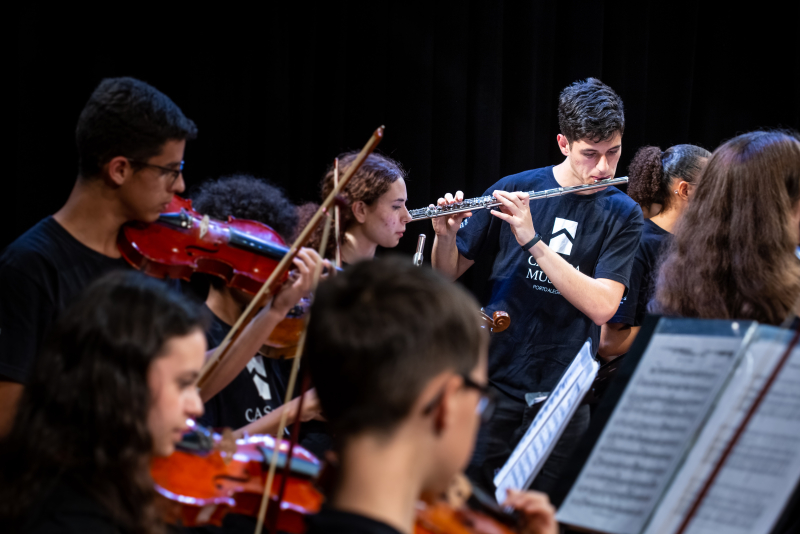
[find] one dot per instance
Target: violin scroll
(498, 322)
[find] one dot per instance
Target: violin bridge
(204, 224)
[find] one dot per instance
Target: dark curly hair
(127, 117)
(733, 256)
(590, 110)
(247, 197)
(651, 172)
(373, 179)
(83, 416)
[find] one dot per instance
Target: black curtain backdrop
(467, 90)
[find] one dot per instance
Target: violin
(209, 476)
(183, 242)
(242, 252)
(498, 322)
(463, 509)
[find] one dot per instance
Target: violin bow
(336, 215)
(273, 463)
(268, 286)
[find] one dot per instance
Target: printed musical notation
(660, 411)
(540, 438)
(758, 477)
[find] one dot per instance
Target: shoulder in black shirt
(40, 274)
(648, 258)
(69, 509)
(329, 521)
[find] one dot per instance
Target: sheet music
(759, 476)
(548, 425)
(661, 410)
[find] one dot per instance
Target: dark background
(467, 90)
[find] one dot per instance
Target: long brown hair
(375, 176)
(733, 256)
(83, 415)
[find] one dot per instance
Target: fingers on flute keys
(450, 224)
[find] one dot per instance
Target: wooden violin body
(182, 242)
(441, 518)
(463, 509)
(200, 489)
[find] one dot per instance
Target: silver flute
(480, 203)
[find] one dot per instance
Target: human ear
(563, 144)
(360, 211)
(119, 170)
(683, 190)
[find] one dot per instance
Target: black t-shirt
(641, 287)
(330, 521)
(40, 274)
(257, 390)
(597, 234)
(69, 509)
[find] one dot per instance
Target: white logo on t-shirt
(564, 232)
(259, 375)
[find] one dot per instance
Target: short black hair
(127, 117)
(246, 197)
(378, 332)
(590, 110)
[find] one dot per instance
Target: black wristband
(527, 246)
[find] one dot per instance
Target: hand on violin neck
(538, 516)
(299, 284)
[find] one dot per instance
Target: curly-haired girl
(662, 183)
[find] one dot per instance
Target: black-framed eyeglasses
(174, 173)
(488, 400)
(486, 404)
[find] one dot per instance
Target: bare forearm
(10, 393)
(247, 345)
(598, 299)
(446, 259)
(616, 339)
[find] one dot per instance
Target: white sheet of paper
(548, 425)
(660, 412)
(759, 476)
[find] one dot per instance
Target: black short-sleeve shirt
(40, 274)
(641, 287)
(596, 234)
(69, 509)
(257, 390)
(330, 521)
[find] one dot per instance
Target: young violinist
(114, 386)
(399, 362)
(252, 402)
(130, 139)
(559, 268)
(376, 213)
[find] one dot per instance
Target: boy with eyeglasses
(130, 139)
(399, 362)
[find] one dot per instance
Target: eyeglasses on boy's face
(486, 404)
(488, 400)
(171, 172)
